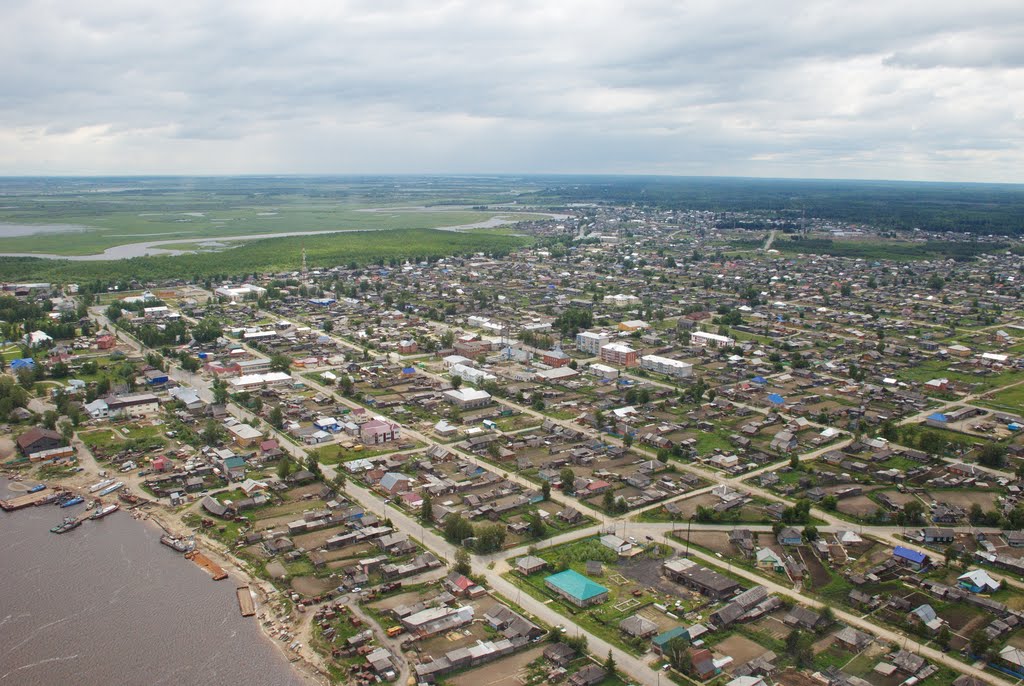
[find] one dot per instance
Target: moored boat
(100, 485)
(113, 487)
(104, 511)
(74, 500)
(68, 524)
(37, 488)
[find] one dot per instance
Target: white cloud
(927, 90)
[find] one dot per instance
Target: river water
(106, 603)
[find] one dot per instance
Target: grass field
(270, 254)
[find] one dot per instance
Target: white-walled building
(703, 339)
(666, 365)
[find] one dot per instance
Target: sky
(894, 89)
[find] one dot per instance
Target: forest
(899, 205)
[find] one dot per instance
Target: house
(938, 535)
(559, 654)
(530, 564)
(925, 615)
(911, 558)
(38, 439)
(378, 431)
(852, 639)
(576, 588)
(690, 574)
(703, 663)
(620, 546)
(587, 676)
(394, 483)
(978, 581)
(556, 358)
(468, 398)
(766, 558)
(747, 680)
(790, 536)
(243, 434)
(1012, 657)
(784, 441)
(638, 627)
(661, 640)
(804, 618)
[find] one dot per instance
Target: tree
(212, 432)
(427, 507)
(456, 382)
(627, 440)
(489, 537)
(810, 533)
(609, 663)
(284, 468)
(912, 513)
(462, 563)
(608, 502)
(537, 527)
(280, 363)
(980, 643)
(207, 330)
(457, 529)
(677, 652)
(992, 455)
(568, 479)
(276, 417)
(830, 502)
(340, 480)
(313, 465)
(945, 636)
(545, 490)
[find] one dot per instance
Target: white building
(621, 300)
(590, 342)
(703, 339)
(243, 292)
(468, 398)
(471, 375)
(250, 381)
(666, 365)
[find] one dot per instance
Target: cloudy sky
(895, 89)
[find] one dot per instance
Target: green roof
(576, 585)
(662, 639)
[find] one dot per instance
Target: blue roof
(908, 554)
(22, 362)
(408, 370)
(760, 379)
(776, 399)
(576, 585)
(938, 417)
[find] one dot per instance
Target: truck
(395, 630)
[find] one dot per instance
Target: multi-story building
(666, 365)
(619, 353)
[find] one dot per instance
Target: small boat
(104, 511)
(49, 498)
(100, 485)
(67, 525)
(113, 487)
(91, 504)
(75, 500)
(37, 488)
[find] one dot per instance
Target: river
(106, 603)
(146, 248)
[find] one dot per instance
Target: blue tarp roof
(760, 379)
(22, 362)
(776, 399)
(908, 554)
(938, 417)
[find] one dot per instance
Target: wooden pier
(207, 564)
(245, 601)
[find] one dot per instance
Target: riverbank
(128, 558)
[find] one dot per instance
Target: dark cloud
(871, 89)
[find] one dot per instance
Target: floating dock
(245, 601)
(27, 500)
(207, 564)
